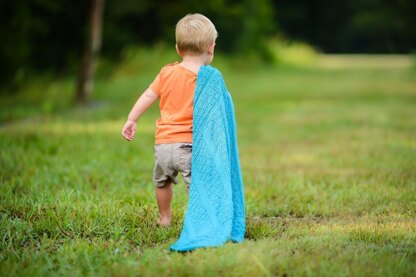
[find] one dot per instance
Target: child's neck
(193, 63)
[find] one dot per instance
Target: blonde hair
(195, 33)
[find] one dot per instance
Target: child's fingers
(129, 135)
(128, 132)
(126, 135)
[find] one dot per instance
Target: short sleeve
(156, 85)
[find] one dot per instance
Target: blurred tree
(85, 82)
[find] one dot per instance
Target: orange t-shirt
(175, 86)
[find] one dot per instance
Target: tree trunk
(85, 82)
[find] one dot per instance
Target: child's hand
(129, 130)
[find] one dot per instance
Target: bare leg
(164, 199)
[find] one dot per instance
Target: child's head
(195, 35)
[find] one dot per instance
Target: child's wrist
(132, 120)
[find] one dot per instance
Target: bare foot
(163, 222)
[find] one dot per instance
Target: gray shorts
(171, 158)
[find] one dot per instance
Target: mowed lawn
(328, 156)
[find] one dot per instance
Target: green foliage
(413, 55)
(40, 35)
(291, 53)
(46, 35)
(49, 36)
(354, 26)
(327, 155)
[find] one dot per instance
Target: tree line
(39, 35)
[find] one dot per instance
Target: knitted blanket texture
(216, 211)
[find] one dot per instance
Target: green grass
(328, 156)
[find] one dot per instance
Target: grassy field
(328, 155)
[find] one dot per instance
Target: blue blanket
(216, 211)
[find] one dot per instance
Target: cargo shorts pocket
(185, 160)
(186, 156)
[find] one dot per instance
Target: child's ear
(211, 48)
(177, 50)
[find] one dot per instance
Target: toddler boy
(175, 86)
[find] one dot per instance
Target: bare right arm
(142, 104)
